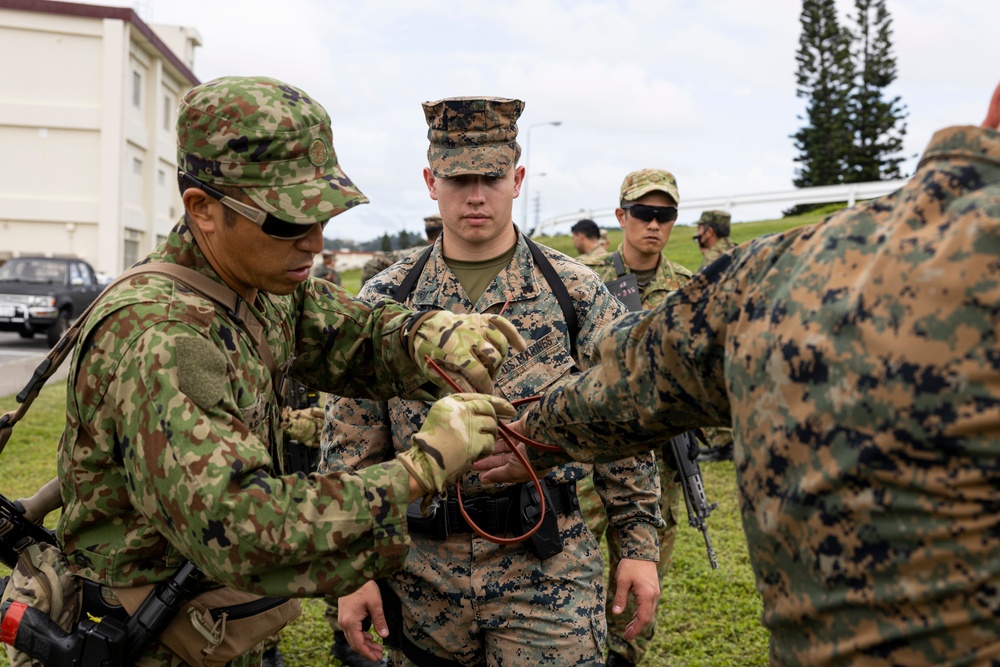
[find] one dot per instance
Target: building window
(168, 111)
(137, 166)
(136, 89)
(130, 253)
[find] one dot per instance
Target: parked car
(45, 294)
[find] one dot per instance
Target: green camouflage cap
(472, 135)
(717, 220)
(433, 222)
(269, 138)
(644, 181)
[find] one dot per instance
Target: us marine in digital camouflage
(464, 600)
(171, 401)
(857, 362)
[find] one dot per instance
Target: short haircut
(588, 228)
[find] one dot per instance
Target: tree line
(853, 129)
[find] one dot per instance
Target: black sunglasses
(662, 214)
(270, 225)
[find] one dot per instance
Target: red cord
(508, 435)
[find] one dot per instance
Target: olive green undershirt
(475, 277)
(644, 277)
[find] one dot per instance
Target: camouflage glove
(458, 430)
(469, 347)
(303, 426)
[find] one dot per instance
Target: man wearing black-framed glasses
(639, 274)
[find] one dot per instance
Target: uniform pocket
(532, 371)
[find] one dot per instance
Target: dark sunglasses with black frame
(646, 213)
(270, 225)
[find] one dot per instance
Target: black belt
(495, 514)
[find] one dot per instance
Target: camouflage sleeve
(630, 487)
(200, 476)
(630, 491)
(350, 347)
(356, 434)
(660, 371)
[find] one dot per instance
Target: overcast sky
(704, 89)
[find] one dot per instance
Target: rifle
(683, 451)
(99, 641)
(20, 521)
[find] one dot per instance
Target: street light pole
(524, 182)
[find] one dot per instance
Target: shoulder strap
(616, 257)
(404, 288)
(236, 308)
(560, 291)
(544, 265)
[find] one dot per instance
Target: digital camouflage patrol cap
(717, 220)
(433, 222)
(644, 181)
(269, 138)
(472, 135)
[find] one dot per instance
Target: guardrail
(823, 194)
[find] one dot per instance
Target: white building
(88, 102)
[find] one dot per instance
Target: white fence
(824, 194)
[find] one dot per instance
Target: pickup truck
(45, 294)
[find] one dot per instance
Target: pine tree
(824, 77)
(404, 239)
(877, 123)
(386, 242)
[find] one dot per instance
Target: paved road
(18, 360)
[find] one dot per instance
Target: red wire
(508, 435)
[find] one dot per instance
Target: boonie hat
(269, 138)
(472, 135)
(644, 181)
(717, 220)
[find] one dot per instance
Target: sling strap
(616, 258)
(409, 281)
(236, 309)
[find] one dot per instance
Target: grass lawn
(706, 618)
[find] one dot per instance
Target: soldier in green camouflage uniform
(712, 236)
(586, 240)
(171, 412)
(641, 246)
(466, 600)
(326, 270)
(857, 360)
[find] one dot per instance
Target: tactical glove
(304, 426)
(458, 430)
(469, 347)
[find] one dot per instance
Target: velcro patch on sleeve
(201, 369)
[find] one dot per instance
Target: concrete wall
(87, 157)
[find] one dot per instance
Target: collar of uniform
(181, 248)
(438, 288)
(968, 141)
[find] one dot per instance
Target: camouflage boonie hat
(644, 181)
(433, 222)
(472, 135)
(717, 220)
(269, 138)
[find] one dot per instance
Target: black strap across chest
(405, 287)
